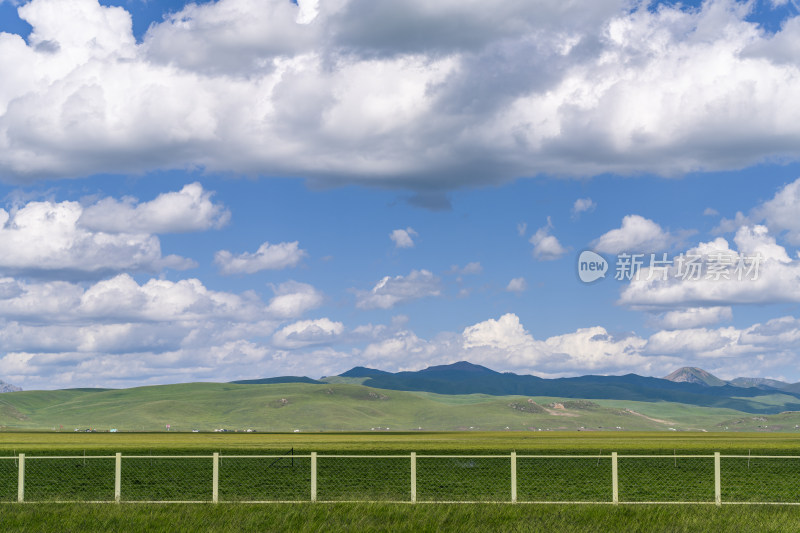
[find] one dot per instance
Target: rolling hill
(334, 407)
(460, 396)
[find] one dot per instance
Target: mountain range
(8, 387)
(687, 385)
(459, 396)
(691, 374)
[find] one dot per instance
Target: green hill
(337, 407)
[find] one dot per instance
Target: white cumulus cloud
(517, 285)
(267, 257)
(46, 238)
(307, 333)
(403, 95)
(756, 271)
(189, 209)
(582, 205)
(636, 235)
(293, 298)
(403, 238)
(693, 317)
(546, 246)
(391, 291)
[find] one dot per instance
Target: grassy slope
(396, 518)
(336, 407)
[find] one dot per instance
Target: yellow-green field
(499, 442)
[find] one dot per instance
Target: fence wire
(280, 478)
(69, 479)
(761, 479)
(426, 478)
(666, 479)
(567, 479)
(166, 479)
(9, 468)
(463, 478)
(366, 479)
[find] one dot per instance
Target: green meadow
(305, 517)
(353, 407)
(670, 478)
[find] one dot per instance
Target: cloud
(637, 234)
(710, 212)
(307, 333)
(758, 271)
(517, 285)
(470, 268)
(293, 298)
(57, 333)
(47, 239)
(693, 317)
(545, 246)
(777, 213)
(267, 257)
(702, 342)
(780, 213)
(337, 92)
(190, 209)
(391, 291)
(402, 238)
(582, 205)
(121, 298)
(506, 343)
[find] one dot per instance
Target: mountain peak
(8, 387)
(692, 374)
(460, 366)
(363, 372)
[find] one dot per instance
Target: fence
(612, 479)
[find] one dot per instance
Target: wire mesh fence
(610, 478)
(383, 478)
(463, 478)
(160, 478)
(666, 479)
(564, 479)
(69, 478)
(264, 478)
(9, 469)
(761, 479)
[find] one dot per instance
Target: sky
(251, 188)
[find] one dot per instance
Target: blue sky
(255, 187)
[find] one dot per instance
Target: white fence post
(614, 479)
(413, 477)
(313, 476)
(118, 477)
(513, 477)
(21, 479)
(215, 479)
(717, 480)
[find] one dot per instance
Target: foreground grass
(394, 517)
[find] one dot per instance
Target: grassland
(671, 479)
(353, 407)
(399, 518)
(402, 442)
